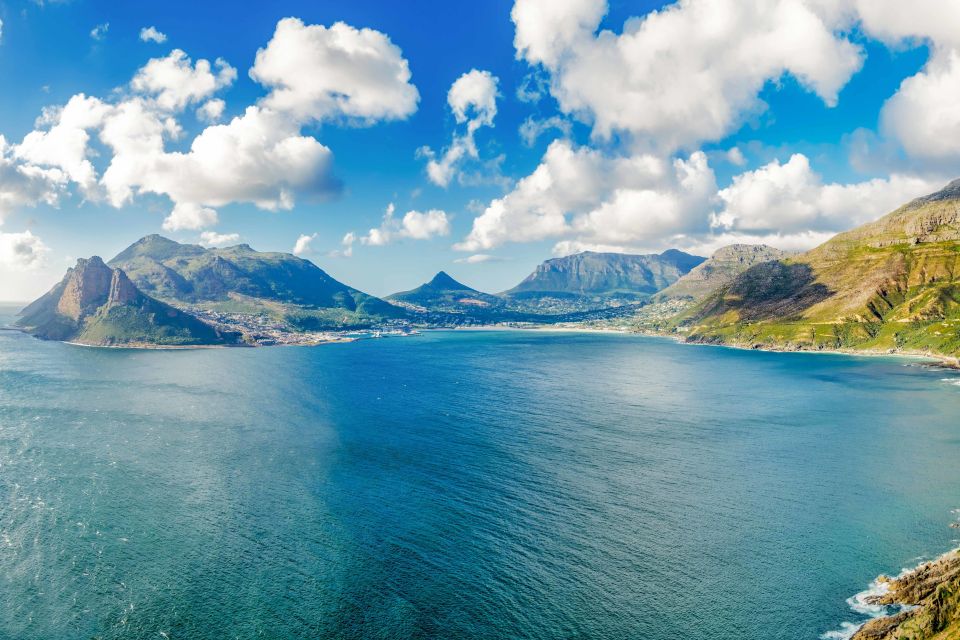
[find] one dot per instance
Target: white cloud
(302, 245)
(415, 225)
(260, 157)
(175, 82)
(65, 143)
(347, 243)
(26, 185)
(792, 198)
(21, 251)
(736, 157)
(1, 31)
(151, 34)
(532, 128)
(578, 190)
(478, 258)
(923, 116)
(99, 32)
(473, 100)
(323, 73)
(211, 110)
(684, 74)
(187, 215)
(214, 239)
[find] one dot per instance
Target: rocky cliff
(97, 305)
(932, 591)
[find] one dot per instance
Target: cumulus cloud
(260, 157)
(302, 245)
(214, 239)
(686, 73)
(26, 185)
(211, 110)
(187, 215)
(21, 251)
(473, 100)
(601, 198)
(323, 73)
(151, 34)
(415, 225)
(346, 246)
(174, 81)
(792, 198)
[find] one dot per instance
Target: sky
(386, 141)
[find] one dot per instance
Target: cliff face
(933, 589)
(719, 270)
(97, 305)
(893, 284)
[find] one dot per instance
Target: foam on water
(865, 604)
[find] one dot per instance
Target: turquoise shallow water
(462, 485)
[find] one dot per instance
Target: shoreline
(919, 603)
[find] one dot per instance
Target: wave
(865, 603)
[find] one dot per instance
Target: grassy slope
(892, 284)
(240, 280)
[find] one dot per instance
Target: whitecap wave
(865, 604)
(954, 381)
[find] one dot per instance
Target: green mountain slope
(239, 280)
(443, 293)
(97, 305)
(893, 284)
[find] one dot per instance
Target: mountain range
(893, 284)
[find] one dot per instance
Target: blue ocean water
(496, 484)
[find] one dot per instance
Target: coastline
(922, 603)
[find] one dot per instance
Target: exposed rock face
(719, 270)
(87, 288)
(95, 304)
(590, 273)
(934, 589)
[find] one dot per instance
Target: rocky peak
(949, 192)
(122, 290)
(87, 289)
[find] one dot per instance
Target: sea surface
(463, 484)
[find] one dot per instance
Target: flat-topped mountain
(443, 293)
(239, 279)
(97, 305)
(590, 273)
(890, 284)
(720, 269)
(595, 280)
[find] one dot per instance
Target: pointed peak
(443, 281)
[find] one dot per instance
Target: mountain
(590, 279)
(892, 284)
(443, 293)
(720, 269)
(240, 280)
(97, 305)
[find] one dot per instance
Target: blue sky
(679, 129)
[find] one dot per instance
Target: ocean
(463, 484)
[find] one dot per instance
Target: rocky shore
(932, 593)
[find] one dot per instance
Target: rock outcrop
(933, 592)
(95, 304)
